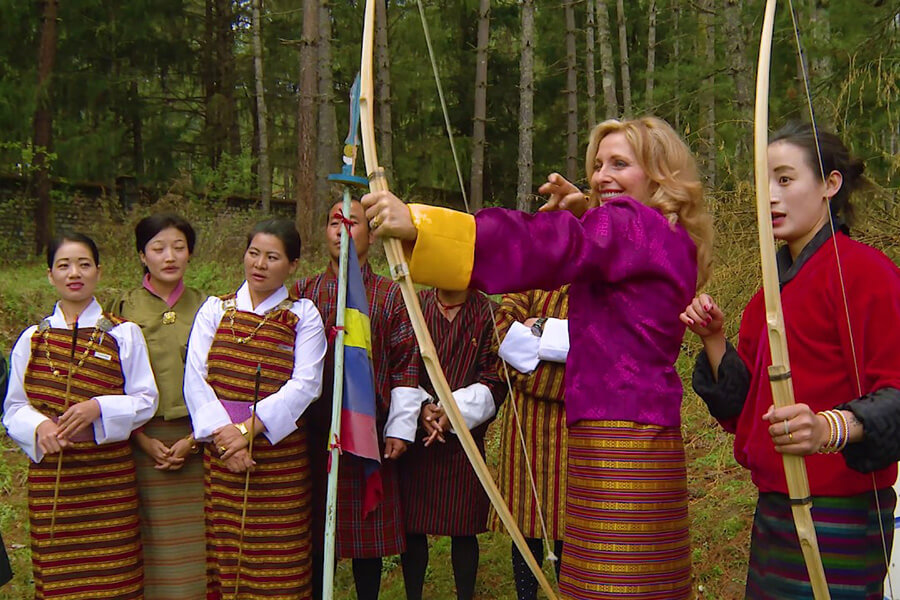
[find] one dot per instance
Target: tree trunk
(212, 127)
(651, 55)
(265, 173)
(819, 35)
(590, 80)
(384, 128)
(571, 94)
(526, 108)
(623, 58)
(227, 75)
(676, 55)
(137, 130)
(328, 153)
(306, 123)
(42, 141)
(479, 118)
(222, 132)
(736, 41)
(254, 120)
(707, 43)
(607, 71)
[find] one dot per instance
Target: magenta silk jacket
(631, 273)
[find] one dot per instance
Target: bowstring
(440, 89)
(804, 70)
(446, 113)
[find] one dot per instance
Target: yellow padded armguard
(444, 252)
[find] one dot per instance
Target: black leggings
(463, 556)
(526, 584)
(366, 577)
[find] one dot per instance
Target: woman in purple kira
(634, 250)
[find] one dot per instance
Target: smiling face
(166, 256)
(74, 274)
(617, 171)
(799, 198)
(266, 266)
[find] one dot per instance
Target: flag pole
(347, 178)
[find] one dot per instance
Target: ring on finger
(222, 449)
(787, 427)
(790, 436)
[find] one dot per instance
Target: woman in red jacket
(841, 303)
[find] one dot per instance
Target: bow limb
(780, 369)
(400, 273)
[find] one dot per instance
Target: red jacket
(822, 365)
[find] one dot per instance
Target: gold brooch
(169, 317)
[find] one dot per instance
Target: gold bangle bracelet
(832, 428)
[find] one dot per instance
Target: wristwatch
(244, 431)
(537, 329)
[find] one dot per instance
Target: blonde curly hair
(669, 164)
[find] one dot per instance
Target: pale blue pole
(348, 179)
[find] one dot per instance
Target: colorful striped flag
(358, 433)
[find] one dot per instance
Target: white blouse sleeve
(19, 417)
(520, 348)
(475, 403)
(121, 414)
(554, 345)
(280, 410)
(403, 413)
(207, 413)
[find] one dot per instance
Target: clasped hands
(53, 437)
(233, 448)
(167, 458)
(435, 422)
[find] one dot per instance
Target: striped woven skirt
(626, 513)
(172, 522)
(275, 557)
(849, 533)
(544, 429)
(95, 551)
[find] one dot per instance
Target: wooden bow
(780, 369)
(400, 273)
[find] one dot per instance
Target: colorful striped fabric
(275, 559)
(276, 556)
(172, 520)
(232, 364)
(626, 513)
(537, 398)
(358, 431)
(849, 533)
(95, 552)
(544, 428)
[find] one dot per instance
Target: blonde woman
(634, 250)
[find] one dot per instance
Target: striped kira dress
(275, 561)
(538, 400)
(95, 552)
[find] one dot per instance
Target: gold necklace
(87, 350)
(232, 309)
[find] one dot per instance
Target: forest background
(229, 109)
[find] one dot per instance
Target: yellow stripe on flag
(357, 331)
